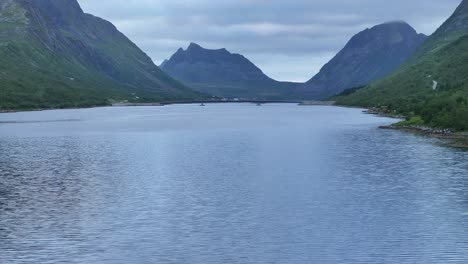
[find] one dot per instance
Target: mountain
(52, 54)
(455, 27)
(221, 73)
(433, 85)
(369, 55)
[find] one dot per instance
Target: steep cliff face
(221, 73)
(369, 55)
(52, 48)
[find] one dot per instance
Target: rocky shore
(314, 103)
(454, 139)
(450, 138)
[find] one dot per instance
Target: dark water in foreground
(231, 183)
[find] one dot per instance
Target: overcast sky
(287, 39)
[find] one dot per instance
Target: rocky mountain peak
(195, 49)
(221, 73)
(455, 27)
(400, 26)
(194, 46)
(386, 34)
(56, 12)
(63, 6)
(458, 21)
(369, 55)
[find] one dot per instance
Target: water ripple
(228, 184)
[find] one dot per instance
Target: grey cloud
(288, 39)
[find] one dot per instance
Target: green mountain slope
(52, 54)
(433, 85)
(452, 29)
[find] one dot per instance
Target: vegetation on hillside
(52, 55)
(434, 87)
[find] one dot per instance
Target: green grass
(413, 121)
(89, 64)
(409, 90)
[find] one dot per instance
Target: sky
(290, 40)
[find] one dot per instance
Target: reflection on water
(227, 184)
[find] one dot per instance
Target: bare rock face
(369, 55)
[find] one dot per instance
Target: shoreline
(159, 104)
(51, 109)
(454, 140)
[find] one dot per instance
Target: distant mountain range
(52, 54)
(224, 74)
(433, 84)
(369, 55)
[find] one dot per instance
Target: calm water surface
(229, 183)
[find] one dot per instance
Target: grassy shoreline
(163, 103)
(416, 125)
(5, 111)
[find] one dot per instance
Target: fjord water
(227, 183)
